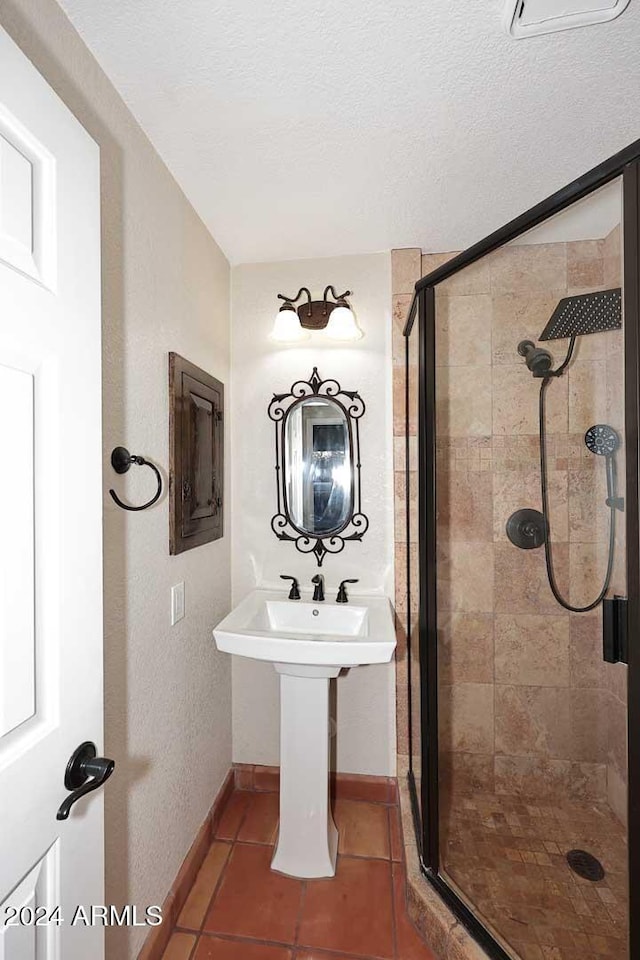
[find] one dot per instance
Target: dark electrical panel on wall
(196, 449)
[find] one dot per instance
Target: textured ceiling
(319, 127)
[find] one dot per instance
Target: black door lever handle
(85, 772)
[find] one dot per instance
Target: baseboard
(344, 786)
(158, 937)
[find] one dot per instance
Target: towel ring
(121, 460)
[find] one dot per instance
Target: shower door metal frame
(625, 164)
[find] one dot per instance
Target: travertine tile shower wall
(405, 271)
(527, 705)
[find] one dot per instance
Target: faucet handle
(294, 593)
(342, 592)
(318, 590)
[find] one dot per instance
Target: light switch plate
(177, 603)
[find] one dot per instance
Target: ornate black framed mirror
(318, 466)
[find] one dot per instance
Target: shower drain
(585, 865)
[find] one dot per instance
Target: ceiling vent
(527, 18)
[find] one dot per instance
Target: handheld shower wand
(600, 439)
(573, 317)
(603, 441)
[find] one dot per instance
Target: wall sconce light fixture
(335, 317)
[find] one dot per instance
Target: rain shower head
(585, 313)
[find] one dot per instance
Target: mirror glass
(318, 466)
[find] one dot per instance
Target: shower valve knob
(527, 529)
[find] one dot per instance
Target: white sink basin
(267, 626)
(308, 643)
(316, 619)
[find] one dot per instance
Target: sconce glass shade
(342, 324)
(286, 327)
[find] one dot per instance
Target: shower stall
(523, 575)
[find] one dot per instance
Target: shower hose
(548, 556)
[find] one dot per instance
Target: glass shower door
(530, 441)
(414, 345)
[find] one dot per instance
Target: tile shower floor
(508, 856)
(239, 909)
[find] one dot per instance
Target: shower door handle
(614, 630)
(612, 499)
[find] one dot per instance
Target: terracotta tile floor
(239, 909)
(508, 857)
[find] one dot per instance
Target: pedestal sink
(308, 644)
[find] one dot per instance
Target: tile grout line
(329, 953)
(350, 856)
(196, 941)
(394, 919)
(242, 820)
(216, 886)
(240, 938)
(321, 952)
(191, 933)
(296, 933)
(377, 803)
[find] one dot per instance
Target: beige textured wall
(165, 287)
(365, 696)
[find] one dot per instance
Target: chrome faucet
(318, 593)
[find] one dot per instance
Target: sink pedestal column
(308, 838)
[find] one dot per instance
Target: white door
(50, 515)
